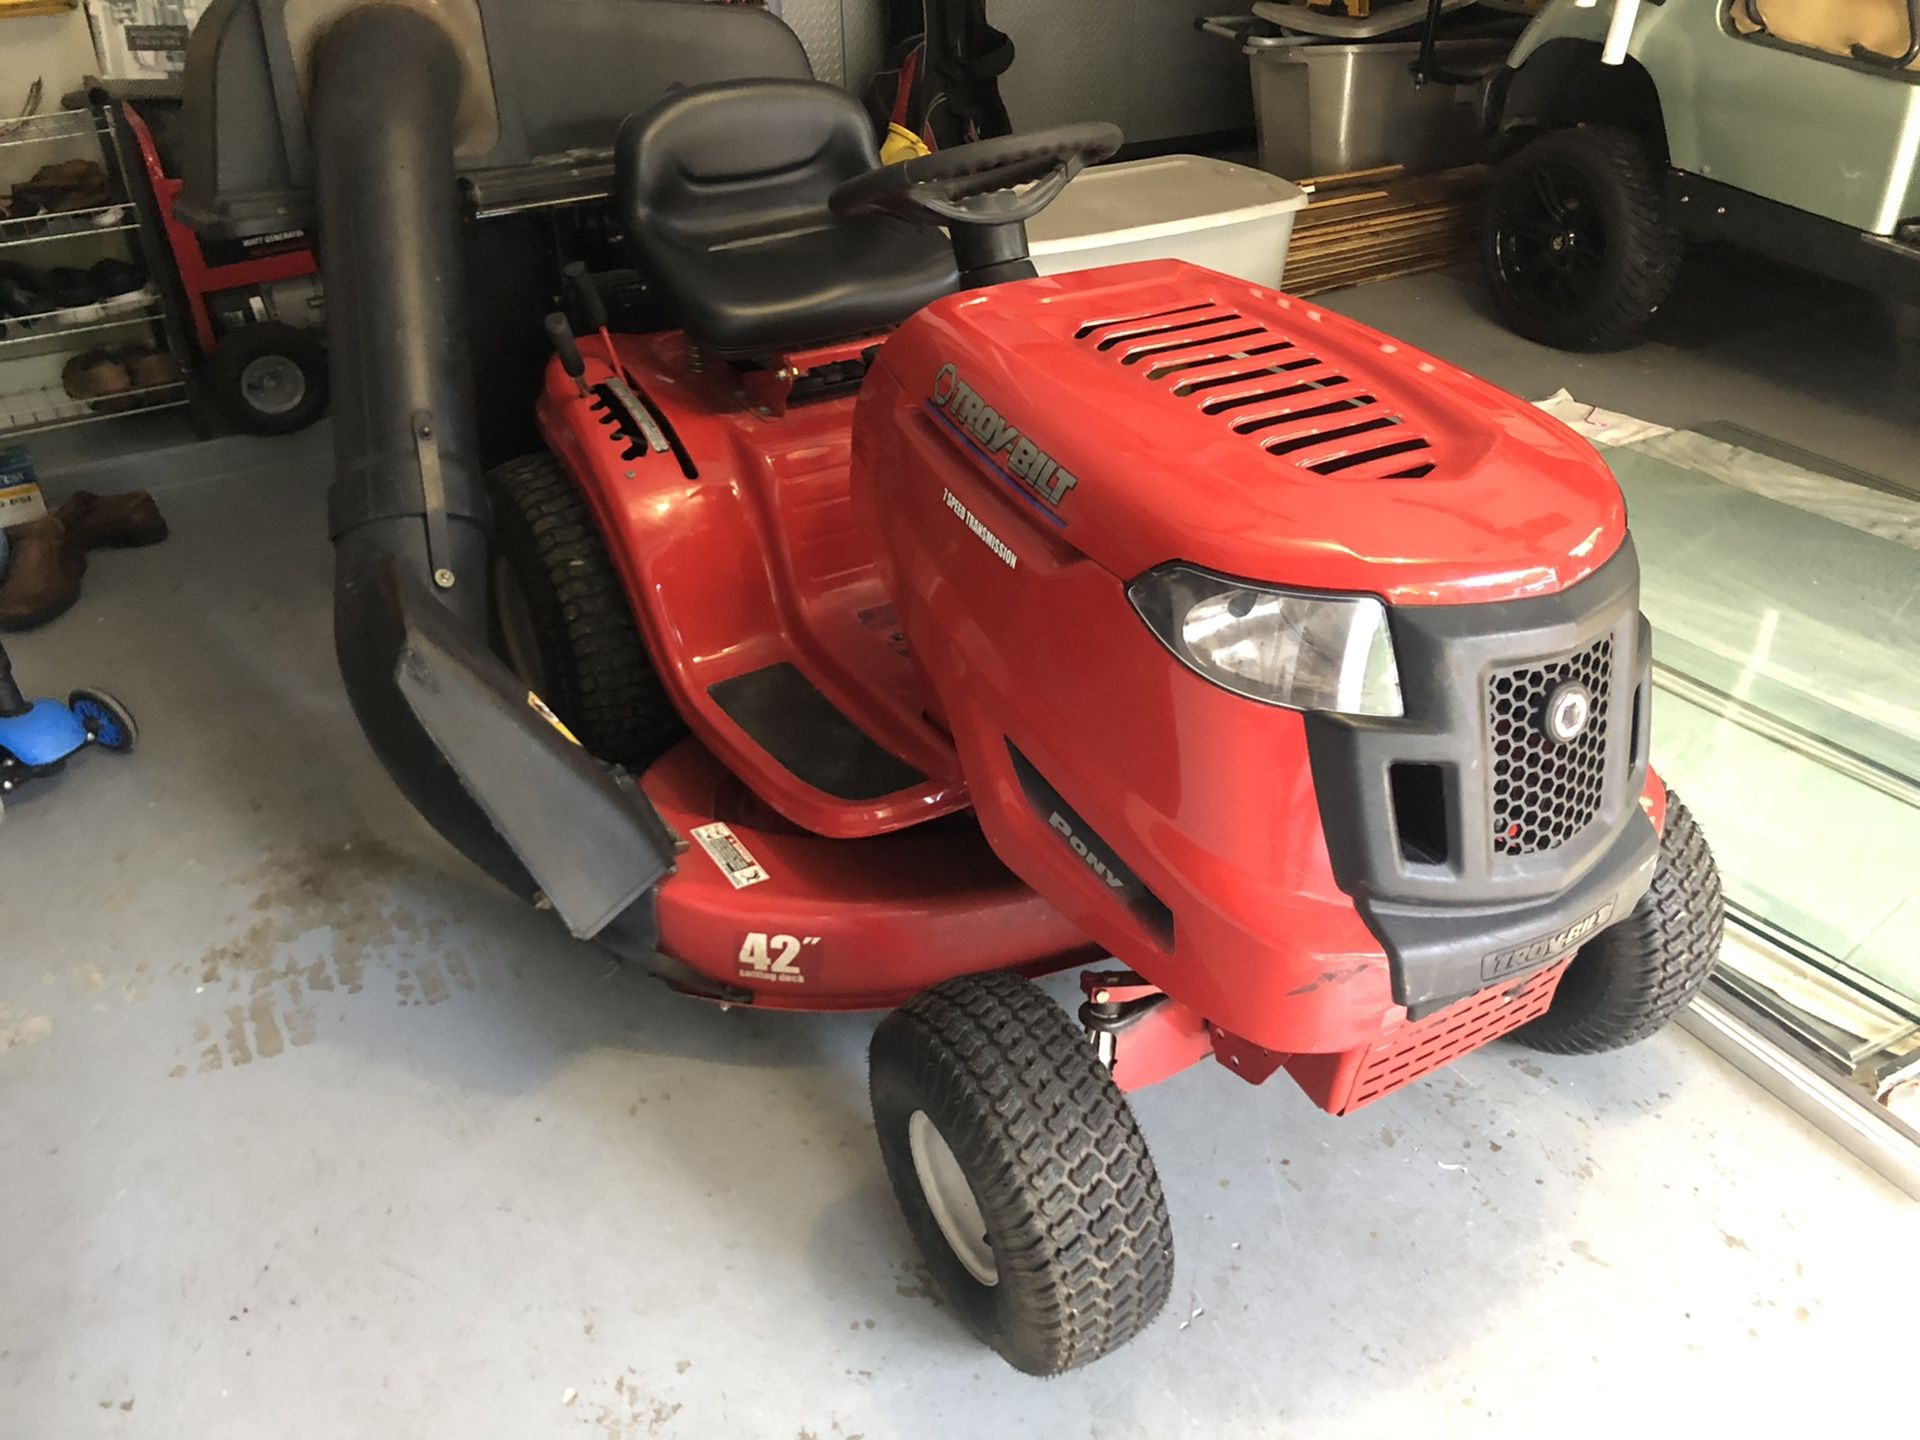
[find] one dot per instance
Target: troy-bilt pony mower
(902, 626)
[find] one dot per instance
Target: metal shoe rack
(33, 395)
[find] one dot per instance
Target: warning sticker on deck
(736, 862)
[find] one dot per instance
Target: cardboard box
(20, 498)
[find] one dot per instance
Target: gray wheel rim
(950, 1198)
(516, 626)
(273, 384)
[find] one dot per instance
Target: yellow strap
(901, 144)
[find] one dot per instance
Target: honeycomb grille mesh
(1545, 792)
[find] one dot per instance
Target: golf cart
(900, 625)
(1783, 126)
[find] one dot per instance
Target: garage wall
(1138, 63)
(58, 50)
(844, 38)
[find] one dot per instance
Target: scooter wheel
(1630, 980)
(109, 724)
(1021, 1172)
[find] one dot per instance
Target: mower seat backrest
(723, 189)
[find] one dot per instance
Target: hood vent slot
(1121, 337)
(1215, 356)
(1085, 330)
(1259, 397)
(1293, 404)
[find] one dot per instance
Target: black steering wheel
(974, 184)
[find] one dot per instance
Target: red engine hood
(1159, 411)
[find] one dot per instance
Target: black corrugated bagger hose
(408, 502)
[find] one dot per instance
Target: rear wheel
(561, 617)
(1632, 979)
(270, 378)
(1578, 250)
(1021, 1172)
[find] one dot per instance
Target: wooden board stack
(1377, 224)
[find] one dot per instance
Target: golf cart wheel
(562, 621)
(108, 723)
(1577, 247)
(1021, 1172)
(1635, 977)
(269, 378)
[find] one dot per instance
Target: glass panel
(1787, 709)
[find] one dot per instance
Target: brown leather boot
(43, 577)
(94, 374)
(148, 368)
(112, 522)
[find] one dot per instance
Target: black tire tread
(604, 683)
(1088, 1248)
(238, 347)
(1648, 245)
(1635, 977)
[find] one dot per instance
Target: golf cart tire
(597, 675)
(1642, 260)
(1635, 977)
(1070, 1201)
(237, 349)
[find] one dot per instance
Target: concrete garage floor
(307, 1131)
(1797, 366)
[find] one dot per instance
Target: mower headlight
(1307, 652)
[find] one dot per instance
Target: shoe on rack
(147, 367)
(23, 291)
(94, 375)
(43, 573)
(69, 174)
(116, 277)
(112, 522)
(63, 186)
(74, 291)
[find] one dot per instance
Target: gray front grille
(1545, 792)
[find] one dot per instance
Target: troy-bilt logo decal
(1547, 947)
(998, 439)
(1080, 848)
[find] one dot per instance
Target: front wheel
(1632, 979)
(108, 723)
(1577, 248)
(1021, 1172)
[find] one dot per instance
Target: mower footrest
(785, 714)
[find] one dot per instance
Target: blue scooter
(38, 736)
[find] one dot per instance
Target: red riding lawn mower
(901, 626)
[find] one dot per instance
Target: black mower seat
(724, 189)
